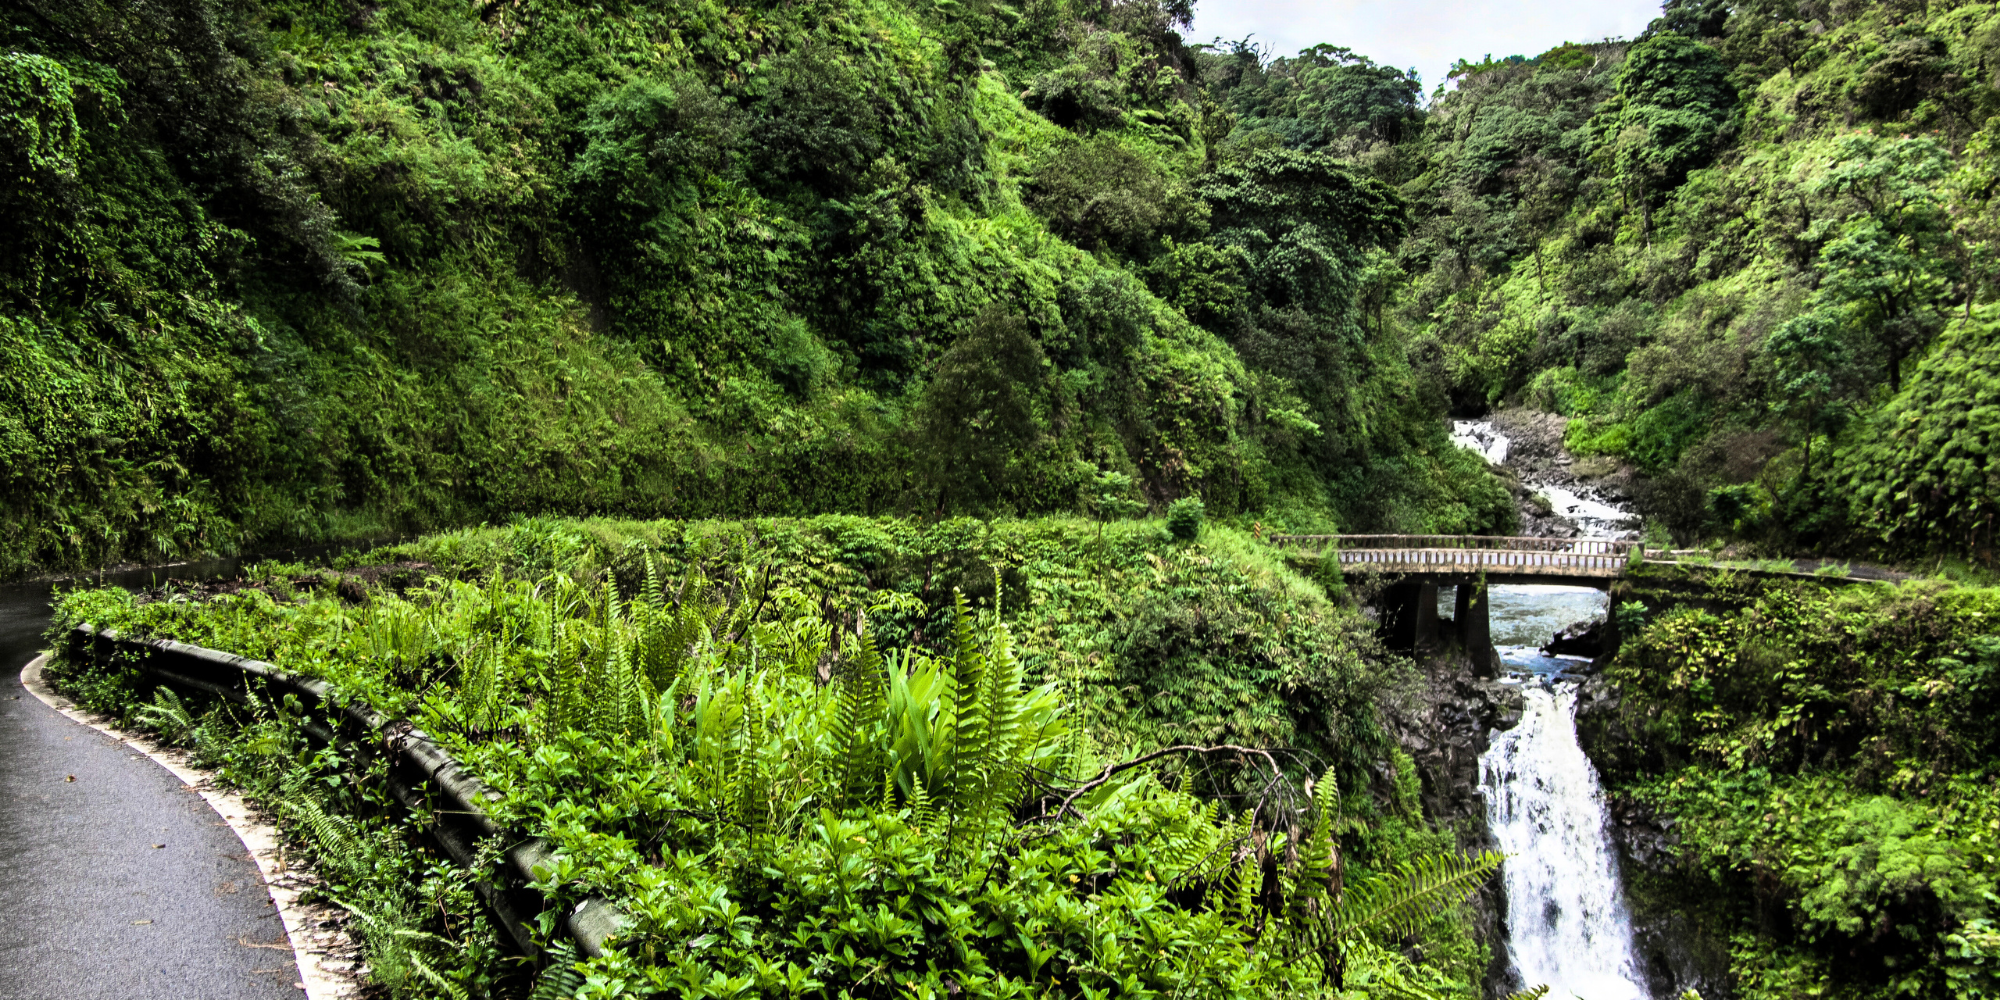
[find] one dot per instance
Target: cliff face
(1672, 927)
(1443, 722)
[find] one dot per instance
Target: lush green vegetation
(1735, 252)
(1827, 757)
(304, 270)
(309, 270)
(830, 757)
(296, 270)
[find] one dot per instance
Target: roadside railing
(1442, 554)
(421, 775)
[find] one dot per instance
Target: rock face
(1538, 520)
(1535, 444)
(1444, 724)
(1584, 638)
(1669, 932)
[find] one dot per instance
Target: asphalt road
(120, 884)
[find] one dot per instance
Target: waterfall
(1593, 517)
(1566, 919)
(1479, 436)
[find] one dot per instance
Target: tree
(985, 412)
(1347, 91)
(1098, 194)
(1675, 109)
(1692, 18)
(1305, 221)
(1892, 266)
(1812, 360)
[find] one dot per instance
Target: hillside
(1721, 250)
(308, 271)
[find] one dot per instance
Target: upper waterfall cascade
(1583, 506)
(1480, 436)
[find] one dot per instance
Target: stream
(1567, 922)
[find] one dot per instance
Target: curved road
(120, 884)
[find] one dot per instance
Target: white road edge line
(314, 947)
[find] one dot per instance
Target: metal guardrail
(1468, 554)
(418, 770)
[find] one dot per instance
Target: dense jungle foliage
(846, 757)
(298, 270)
(1750, 253)
(310, 269)
(1826, 759)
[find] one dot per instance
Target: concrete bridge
(1420, 564)
(1590, 562)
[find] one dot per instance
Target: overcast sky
(1426, 34)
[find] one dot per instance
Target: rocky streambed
(1557, 494)
(1505, 761)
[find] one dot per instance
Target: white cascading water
(1593, 518)
(1480, 436)
(1567, 924)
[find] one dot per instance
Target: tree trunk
(1805, 475)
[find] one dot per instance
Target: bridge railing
(1515, 562)
(1490, 543)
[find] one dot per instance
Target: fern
(997, 770)
(479, 681)
(966, 738)
(1401, 902)
(667, 637)
(433, 977)
(1245, 879)
(1319, 855)
(924, 813)
(334, 838)
(863, 700)
(559, 979)
(651, 596)
(749, 775)
(1195, 850)
(167, 716)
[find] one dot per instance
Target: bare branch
(1067, 807)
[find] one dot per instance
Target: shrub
(787, 799)
(1184, 517)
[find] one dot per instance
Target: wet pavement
(116, 881)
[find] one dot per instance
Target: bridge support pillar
(1475, 628)
(1409, 615)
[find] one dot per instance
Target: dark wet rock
(1444, 728)
(1538, 519)
(1443, 719)
(1669, 920)
(1584, 638)
(1535, 444)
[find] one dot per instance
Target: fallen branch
(1185, 748)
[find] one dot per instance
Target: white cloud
(1426, 34)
